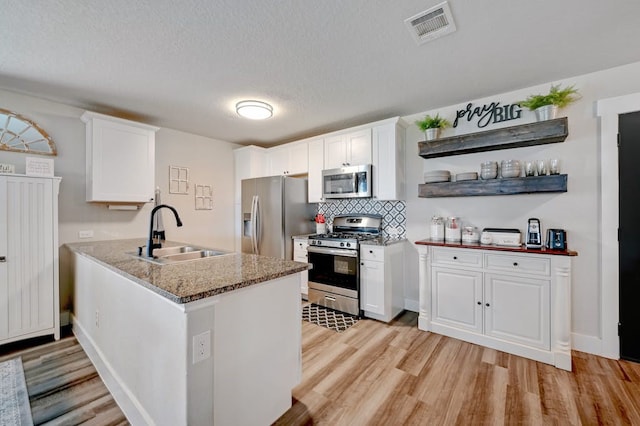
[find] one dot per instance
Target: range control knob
(342, 244)
(348, 244)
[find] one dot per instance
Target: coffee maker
(534, 234)
(556, 239)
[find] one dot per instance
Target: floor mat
(14, 400)
(328, 318)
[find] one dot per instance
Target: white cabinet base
(540, 332)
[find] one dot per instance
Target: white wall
(210, 162)
(577, 210)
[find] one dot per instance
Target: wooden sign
(489, 113)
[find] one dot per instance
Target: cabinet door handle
(3, 259)
(455, 257)
(487, 305)
(371, 251)
(479, 303)
(362, 264)
(515, 263)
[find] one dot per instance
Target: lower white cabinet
(381, 281)
(29, 294)
(300, 255)
(514, 302)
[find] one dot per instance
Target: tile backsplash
(394, 217)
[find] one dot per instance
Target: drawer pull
(3, 259)
(487, 305)
(330, 299)
(515, 263)
(371, 251)
(479, 302)
(455, 257)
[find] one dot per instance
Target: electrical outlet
(97, 318)
(85, 234)
(201, 346)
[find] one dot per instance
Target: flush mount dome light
(254, 110)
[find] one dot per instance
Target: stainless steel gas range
(334, 279)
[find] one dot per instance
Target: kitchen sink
(179, 254)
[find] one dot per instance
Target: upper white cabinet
(250, 162)
(29, 295)
(316, 164)
(353, 148)
(120, 159)
(288, 159)
(389, 160)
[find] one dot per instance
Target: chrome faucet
(150, 243)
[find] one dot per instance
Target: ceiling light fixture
(254, 110)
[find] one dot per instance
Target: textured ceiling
(323, 65)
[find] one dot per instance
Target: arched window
(20, 134)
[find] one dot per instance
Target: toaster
(556, 239)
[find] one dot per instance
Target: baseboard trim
(132, 411)
(588, 344)
(412, 305)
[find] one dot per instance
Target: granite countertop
(382, 241)
(477, 246)
(187, 281)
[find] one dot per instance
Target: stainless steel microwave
(347, 182)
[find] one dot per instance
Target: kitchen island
(210, 341)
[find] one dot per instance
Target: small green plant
(436, 122)
(556, 96)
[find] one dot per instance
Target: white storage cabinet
(388, 151)
(316, 165)
(498, 299)
(288, 159)
(300, 255)
(348, 149)
(120, 162)
(381, 280)
(29, 292)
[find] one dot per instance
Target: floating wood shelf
(542, 132)
(503, 186)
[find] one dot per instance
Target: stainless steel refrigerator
(274, 209)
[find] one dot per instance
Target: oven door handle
(333, 252)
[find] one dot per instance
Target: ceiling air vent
(431, 24)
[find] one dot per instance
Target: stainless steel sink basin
(178, 254)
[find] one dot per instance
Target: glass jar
(437, 228)
(453, 230)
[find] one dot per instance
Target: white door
(517, 309)
(359, 147)
(372, 286)
(457, 298)
(27, 272)
(335, 152)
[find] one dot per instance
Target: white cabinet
(288, 159)
(381, 280)
(316, 164)
(353, 148)
(250, 162)
(510, 301)
(300, 255)
(388, 160)
(29, 294)
(120, 159)
(457, 298)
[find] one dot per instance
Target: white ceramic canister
(453, 230)
(437, 228)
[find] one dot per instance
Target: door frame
(608, 111)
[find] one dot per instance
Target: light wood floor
(395, 374)
(64, 388)
(379, 374)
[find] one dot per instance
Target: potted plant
(546, 106)
(431, 126)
